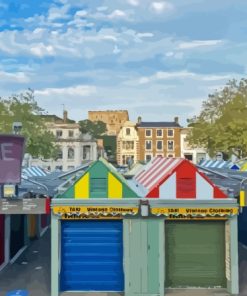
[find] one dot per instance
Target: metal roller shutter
(195, 254)
(92, 255)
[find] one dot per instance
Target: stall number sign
(68, 212)
(193, 213)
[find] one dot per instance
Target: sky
(157, 59)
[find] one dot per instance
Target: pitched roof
(89, 185)
(158, 124)
(178, 171)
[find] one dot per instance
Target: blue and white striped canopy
(33, 171)
(218, 164)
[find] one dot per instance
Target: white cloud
(133, 2)
(58, 12)
(199, 43)
(41, 50)
(182, 75)
(81, 13)
(117, 14)
(145, 35)
(78, 90)
(19, 77)
(159, 7)
(166, 75)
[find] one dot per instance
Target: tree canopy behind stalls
(222, 122)
(24, 108)
(94, 128)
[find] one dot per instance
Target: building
(74, 146)
(194, 154)
(113, 119)
(169, 228)
(127, 144)
(158, 139)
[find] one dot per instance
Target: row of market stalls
(168, 227)
(17, 230)
(222, 164)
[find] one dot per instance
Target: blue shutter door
(92, 256)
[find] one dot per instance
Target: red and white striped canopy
(172, 178)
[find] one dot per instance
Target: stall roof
(172, 178)
(100, 180)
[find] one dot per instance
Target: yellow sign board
(194, 211)
(78, 212)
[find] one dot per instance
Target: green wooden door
(195, 254)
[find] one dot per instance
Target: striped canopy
(33, 171)
(172, 178)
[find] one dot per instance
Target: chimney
(139, 119)
(65, 116)
(176, 119)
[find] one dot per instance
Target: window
(170, 155)
(159, 155)
(148, 157)
(159, 133)
(71, 134)
(60, 153)
(159, 145)
(148, 145)
(170, 133)
(71, 153)
(148, 132)
(170, 145)
(59, 168)
(59, 133)
(127, 131)
(128, 145)
(188, 156)
(71, 167)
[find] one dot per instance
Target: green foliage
(96, 128)
(24, 108)
(222, 124)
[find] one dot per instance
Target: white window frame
(170, 129)
(150, 133)
(168, 145)
(148, 154)
(161, 133)
(146, 145)
(157, 145)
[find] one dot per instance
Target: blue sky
(158, 59)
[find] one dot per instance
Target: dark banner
(11, 155)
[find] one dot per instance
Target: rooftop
(159, 124)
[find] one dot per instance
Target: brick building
(114, 119)
(159, 139)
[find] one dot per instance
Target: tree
(96, 129)
(221, 124)
(24, 108)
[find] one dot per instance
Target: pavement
(31, 272)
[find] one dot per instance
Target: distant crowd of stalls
(233, 176)
(17, 231)
(240, 165)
